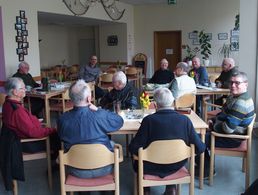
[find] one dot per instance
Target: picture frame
(19, 33)
(234, 39)
(25, 51)
(22, 13)
(21, 57)
(24, 38)
(234, 46)
(24, 20)
(222, 36)
(193, 35)
(23, 27)
(17, 26)
(20, 45)
(209, 35)
(112, 40)
(18, 20)
(19, 51)
(234, 32)
(24, 33)
(19, 39)
(25, 44)
(196, 42)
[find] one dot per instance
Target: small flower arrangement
(145, 100)
(192, 74)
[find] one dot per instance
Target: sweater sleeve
(29, 125)
(174, 88)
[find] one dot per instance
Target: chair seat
(59, 106)
(241, 148)
(90, 182)
(183, 172)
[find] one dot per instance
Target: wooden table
(132, 126)
(45, 96)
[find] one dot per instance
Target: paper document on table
(205, 87)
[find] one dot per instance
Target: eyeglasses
(93, 59)
(237, 82)
(22, 88)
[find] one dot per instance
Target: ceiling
(65, 20)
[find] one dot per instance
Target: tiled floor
(228, 181)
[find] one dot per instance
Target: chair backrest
(131, 71)
(140, 60)
(92, 88)
(107, 78)
(111, 70)
(250, 127)
(2, 98)
(162, 151)
(213, 77)
(186, 101)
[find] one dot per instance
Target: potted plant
(190, 53)
(205, 45)
(225, 50)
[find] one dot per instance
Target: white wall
(248, 43)
(212, 16)
(60, 43)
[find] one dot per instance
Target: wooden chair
(111, 70)
(132, 75)
(90, 156)
(73, 72)
(92, 88)
(166, 152)
(213, 77)
(243, 151)
(36, 156)
(140, 60)
(186, 101)
(210, 114)
(61, 104)
(105, 81)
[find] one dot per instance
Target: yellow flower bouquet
(145, 100)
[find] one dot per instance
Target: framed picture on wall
(18, 39)
(24, 33)
(18, 20)
(192, 35)
(23, 27)
(222, 36)
(196, 42)
(21, 57)
(25, 44)
(25, 51)
(19, 45)
(22, 13)
(18, 26)
(19, 33)
(19, 51)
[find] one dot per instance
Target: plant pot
(206, 62)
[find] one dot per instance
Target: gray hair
(183, 66)
(163, 97)
(230, 61)
(242, 75)
(79, 91)
(119, 76)
(164, 60)
(21, 64)
(11, 84)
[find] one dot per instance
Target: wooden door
(167, 44)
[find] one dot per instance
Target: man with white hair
(165, 124)
(122, 92)
(87, 124)
(228, 70)
(182, 84)
(37, 104)
(163, 75)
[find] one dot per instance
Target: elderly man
(182, 84)
(23, 72)
(162, 75)
(163, 125)
(21, 121)
(237, 113)
(228, 70)
(200, 75)
(122, 92)
(86, 124)
(90, 73)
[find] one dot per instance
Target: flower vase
(143, 111)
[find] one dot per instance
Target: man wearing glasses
(237, 113)
(90, 73)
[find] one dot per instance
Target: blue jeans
(92, 173)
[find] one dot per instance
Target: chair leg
(178, 189)
(135, 184)
(126, 145)
(212, 160)
(15, 187)
(49, 168)
(244, 165)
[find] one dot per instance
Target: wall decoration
(234, 32)
(193, 35)
(196, 42)
(222, 36)
(112, 40)
(209, 35)
(22, 33)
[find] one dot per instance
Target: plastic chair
(132, 75)
(186, 101)
(243, 151)
(35, 156)
(166, 152)
(105, 81)
(140, 60)
(90, 156)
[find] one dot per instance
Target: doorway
(167, 44)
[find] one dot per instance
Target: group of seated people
(87, 124)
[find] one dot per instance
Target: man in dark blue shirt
(86, 124)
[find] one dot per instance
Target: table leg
(48, 123)
(201, 173)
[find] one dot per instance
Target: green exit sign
(170, 2)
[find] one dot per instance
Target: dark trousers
(99, 93)
(199, 105)
(37, 106)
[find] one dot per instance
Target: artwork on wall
(193, 35)
(234, 40)
(22, 34)
(223, 36)
(112, 40)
